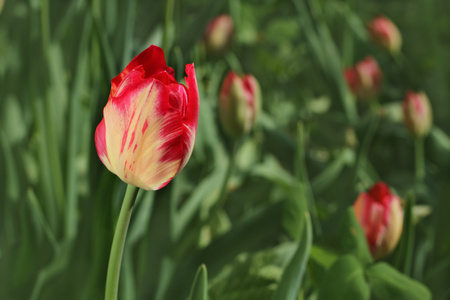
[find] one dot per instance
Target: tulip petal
(190, 115)
(100, 144)
(140, 127)
(153, 62)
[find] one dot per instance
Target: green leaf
(345, 280)
(13, 121)
(334, 170)
(387, 283)
(322, 256)
(271, 169)
(440, 138)
(199, 289)
(352, 238)
(252, 276)
(294, 209)
(406, 244)
(293, 274)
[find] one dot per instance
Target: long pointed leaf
(293, 274)
(199, 289)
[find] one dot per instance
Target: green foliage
(253, 276)
(313, 150)
(293, 274)
(199, 290)
(388, 283)
(345, 280)
(352, 238)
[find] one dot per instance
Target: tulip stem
(115, 257)
(223, 189)
(420, 160)
(168, 26)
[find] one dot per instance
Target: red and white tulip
(239, 103)
(385, 34)
(364, 80)
(149, 123)
(218, 34)
(417, 113)
(380, 215)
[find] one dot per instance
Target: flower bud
(218, 34)
(365, 78)
(381, 217)
(417, 114)
(385, 34)
(239, 104)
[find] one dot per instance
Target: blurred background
(314, 145)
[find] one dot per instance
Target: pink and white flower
(380, 215)
(239, 103)
(149, 123)
(218, 34)
(364, 80)
(385, 34)
(417, 113)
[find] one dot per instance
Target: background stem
(420, 160)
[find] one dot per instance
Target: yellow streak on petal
(140, 162)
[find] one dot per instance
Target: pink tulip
(364, 79)
(218, 34)
(417, 114)
(239, 104)
(385, 34)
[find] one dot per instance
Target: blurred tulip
(417, 114)
(218, 34)
(381, 217)
(365, 78)
(149, 124)
(385, 34)
(239, 104)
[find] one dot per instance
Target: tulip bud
(218, 34)
(365, 78)
(381, 217)
(239, 104)
(385, 34)
(417, 114)
(149, 124)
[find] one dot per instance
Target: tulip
(381, 217)
(149, 123)
(218, 34)
(239, 104)
(385, 34)
(364, 79)
(417, 114)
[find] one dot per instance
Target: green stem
(420, 160)
(362, 159)
(223, 189)
(233, 63)
(168, 26)
(303, 177)
(115, 258)
(45, 26)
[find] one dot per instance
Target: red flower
(239, 103)
(149, 124)
(218, 34)
(417, 114)
(381, 217)
(364, 79)
(385, 34)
